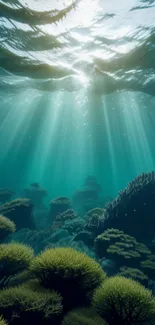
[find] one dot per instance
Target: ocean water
(76, 97)
(77, 160)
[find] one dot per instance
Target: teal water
(76, 97)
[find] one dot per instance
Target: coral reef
(58, 206)
(61, 218)
(95, 221)
(71, 273)
(85, 199)
(83, 316)
(36, 194)
(135, 274)
(133, 210)
(23, 305)
(6, 227)
(14, 258)
(74, 226)
(124, 301)
(5, 195)
(120, 247)
(20, 211)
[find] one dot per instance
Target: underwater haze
(76, 93)
(77, 162)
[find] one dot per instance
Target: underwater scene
(77, 162)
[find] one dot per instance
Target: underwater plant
(74, 226)
(135, 274)
(6, 227)
(132, 205)
(5, 195)
(14, 258)
(23, 305)
(20, 211)
(2, 321)
(95, 221)
(83, 316)
(120, 247)
(36, 194)
(124, 301)
(61, 218)
(149, 266)
(71, 273)
(58, 206)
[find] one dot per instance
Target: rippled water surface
(77, 86)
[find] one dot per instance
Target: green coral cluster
(6, 227)
(133, 273)
(63, 286)
(120, 247)
(124, 301)
(95, 221)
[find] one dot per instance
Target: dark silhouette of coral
(58, 206)
(133, 211)
(95, 221)
(5, 195)
(36, 194)
(91, 182)
(20, 211)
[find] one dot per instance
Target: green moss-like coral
(95, 221)
(149, 265)
(2, 321)
(71, 273)
(133, 273)
(124, 301)
(14, 258)
(83, 316)
(27, 305)
(6, 227)
(121, 247)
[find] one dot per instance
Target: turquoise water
(76, 97)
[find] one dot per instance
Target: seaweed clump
(71, 273)
(133, 205)
(14, 258)
(124, 301)
(23, 305)
(120, 247)
(6, 227)
(2, 321)
(83, 316)
(20, 211)
(133, 273)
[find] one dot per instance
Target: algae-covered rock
(20, 211)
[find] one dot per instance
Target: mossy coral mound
(14, 258)
(20, 305)
(95, 221)
(69, 272)
(83, 316)
(2, 321)
(121, 247)
(124, 301)
(6, 227)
